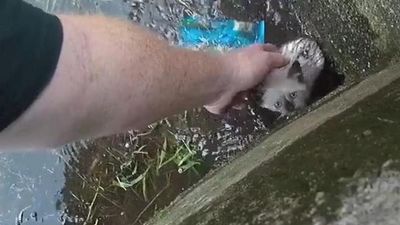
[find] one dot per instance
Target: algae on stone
(348, 161)
(384, 18)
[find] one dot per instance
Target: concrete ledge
(210, 190)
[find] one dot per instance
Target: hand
(247, 68)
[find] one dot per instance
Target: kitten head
(309, 55)
(286, 79)
(274, 100)
(289, 88)
(284, 102)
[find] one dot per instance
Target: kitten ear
(296, 72)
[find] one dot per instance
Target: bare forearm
(113, 76)
(145, 78)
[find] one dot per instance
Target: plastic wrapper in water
(220, 34)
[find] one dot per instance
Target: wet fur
(289, 88)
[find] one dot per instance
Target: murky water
(164, 16)
(76, 185)
(30, 185)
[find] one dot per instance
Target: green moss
(360, 37)
(344, 33)
(308, 179)
(385, 21)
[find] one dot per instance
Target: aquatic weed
(143, 169)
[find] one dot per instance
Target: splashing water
(164, 16)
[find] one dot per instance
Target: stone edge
(214, 187)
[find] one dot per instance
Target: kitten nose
(289, 106)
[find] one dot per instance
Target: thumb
(276, 60)
(220, 106)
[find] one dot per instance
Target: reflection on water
(76, 185)
(164, 16)
(29, 188)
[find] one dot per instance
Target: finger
(239, 106)
(277, 60)
(270, 48)
(257, 46)
(220, 106)
(239, 100)
(215, 110)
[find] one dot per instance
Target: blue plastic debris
(197, 33)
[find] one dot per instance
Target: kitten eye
(278, 105)
(305, 53)
(293, 94)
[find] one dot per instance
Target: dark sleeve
(30, 45)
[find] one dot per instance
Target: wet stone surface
(344, 172)
(385, 21)
(360, 37)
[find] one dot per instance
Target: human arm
(113, 76)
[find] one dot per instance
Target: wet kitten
(289, 88)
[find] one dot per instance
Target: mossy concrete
(316, 179)
(344, 33)
(284, 173)
(359, 36)
(384, 20)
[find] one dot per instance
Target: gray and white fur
(289, 88)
